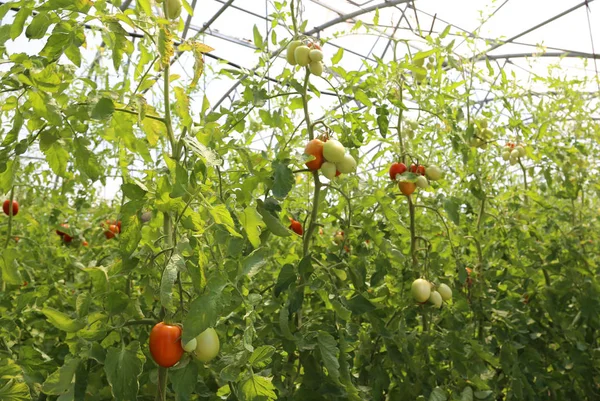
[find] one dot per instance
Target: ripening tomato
(295, 226)
(165, 344)
(85, 243)
(67, 238)
(6, 207)
(407, 187)
(61, 233)
(421, 170)
(413, 168)
(17, 239)
(112, 230)
(314, 148)
(338, 238)
(395, 169)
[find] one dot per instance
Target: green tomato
(348, 165)
(521, 151)
(291, 48)
(207, 347)
(483, 123)
(315, 55)
(435, 299)
(316, 68)
(333, 151)
(301, 55)
(328, 169)
(445, 292)
(190, 346)
(514, 154)
(420, 290)
(433, 172)
(173, 9)
(413, 125)
(422, 182)
(506, 155)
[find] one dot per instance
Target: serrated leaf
(134, 191)
(15, 391)
(337, 57)
(261, 356)
(272, 222)
(257, 388)
(103, 109)
(123, 367)
(210, 157)
(467, 394)
(8, 267)
(451, 207)
(60, 381)
(287, 276)
(437, 395)
(329, 354)
(363, 98)
(253, 262)
(359, 305)
(57, 158)
(222, 216)
(184, 381)
(203, 313)
(169, 275)
(131, 227)
(62, 321)
(252, 222)
(283, 180)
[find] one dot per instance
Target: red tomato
(296, 227)
(395, 169)
(84, 243)
(421, 170)
(314, 148)
(25, 283)
(407, 187)
(6, 207)
(413, 168)
(313, 45)
(337, 173)
(17, 239)
(165, 344)
(67, 238)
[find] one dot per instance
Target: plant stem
(313, 214)
(481, 211)
(161, 393)
(413, 239)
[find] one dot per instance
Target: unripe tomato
(301, 55)
(165, 344)
(315, 55)
(333, 151)
(6, 207)
(483, 123)
(348, 165)
(338, 238)
(433, 173)
(407, 187)
(514, 154)
(436, 299)
(395, 169)
(291, 48)
(420, 290)
(316, 68)
(296, 227)
(445, 292)
(329, 170)
(172, 9)
(207, 345)
(422, 182)
(521, 151)
(190, 346)
(506, 155)
(314, 148)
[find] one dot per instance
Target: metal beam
(546, 54)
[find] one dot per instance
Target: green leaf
(123, 367)
(283, 180)
(437, 395)
(337, 57)
(341, 310)
(203, 313)
(169, 275)
(8, 267)
(60, 381)
(257, 388)
(182, 106)
(87, 162)
(62, 321)
(15, 391)
(184, 381)
(210, 157)
(467, 394)
(252, 222)
(131, 227)
(221, 216)
(145, 6)
(287, 276)
(482, 395)
(261, 356)
(451, 206)
(253, 262)
(103, 109)
(38, 26)
(329, 351)
(363, 98)
(57, 158)
(272, 222)
(134, 191)
(258, 40)
(359, 305)
(16, 27)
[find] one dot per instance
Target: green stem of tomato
(161, 392)
(399, 129)
(413, 237)
(293, 11)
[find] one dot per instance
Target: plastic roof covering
(231, 35)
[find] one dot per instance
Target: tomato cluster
(306, 55)
(166, 347)
(63, 235)
(513, 152)
(411, 178)
(329, 156)
(424, 291)
(483, 134)
(114, 228)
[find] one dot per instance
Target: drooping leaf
(123, 367)
(203, 313)
(252, 222)
(60, 381)
(283, 180)
(329, 354)
(8, 267)
(169, 275)
(222, 216)
(257, 388)
(253, 262)
(62, 321)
